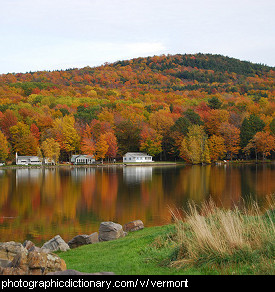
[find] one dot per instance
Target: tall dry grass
(212, 235)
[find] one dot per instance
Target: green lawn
(132, 255)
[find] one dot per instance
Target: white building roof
(137, 154)
(27, 157)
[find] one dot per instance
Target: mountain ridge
(169, 72)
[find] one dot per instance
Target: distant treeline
(200, 108)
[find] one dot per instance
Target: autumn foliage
(200, 108)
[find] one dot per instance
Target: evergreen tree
(214, 103)
(250, 126)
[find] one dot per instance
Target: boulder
(41, 263)
(30, 246)
(33, 263)
(8, 250)
(56, 244)
(110, 231)
(83, 239)
(133, 226)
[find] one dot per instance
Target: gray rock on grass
(83, 240)
(110, 231)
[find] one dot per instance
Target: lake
(37, 204)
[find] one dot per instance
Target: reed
(215, 236)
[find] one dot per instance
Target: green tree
(128, 137)
(193, 117)
(181, 125)
(214, 103)
(272, 127)
(250, 126)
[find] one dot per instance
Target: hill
(161, 105)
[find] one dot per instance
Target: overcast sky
(60, 34)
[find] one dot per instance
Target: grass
(229, 241)
(131, 255)
(208, 241)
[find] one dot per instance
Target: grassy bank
(209, 241)
(131, 255)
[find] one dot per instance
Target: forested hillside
(200, 108)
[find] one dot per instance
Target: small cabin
(82, 159)
(137, 157)
(27, 160)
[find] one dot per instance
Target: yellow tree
(66, 134)
(217, 148)
(194, 147)
(22, 140)
(4, 147)
(161, 121)
(51, 149)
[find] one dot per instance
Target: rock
(74, 272)
(133, 226)
(110, 231)
(5, 263)
(30, 246)
(34, 263)
(83, 239)
(41, 263)
(55, 244)
(12, 271)
(8, 250)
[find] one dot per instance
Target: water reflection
(82, 172)
(39, 203)
(137, 174)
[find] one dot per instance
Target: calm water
(38, 204)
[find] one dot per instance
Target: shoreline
(89, 165)
(122, 164)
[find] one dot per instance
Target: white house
(137, 157)
(27, 160)
(49, 161)
(82, 159)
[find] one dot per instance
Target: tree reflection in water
(38, 204)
